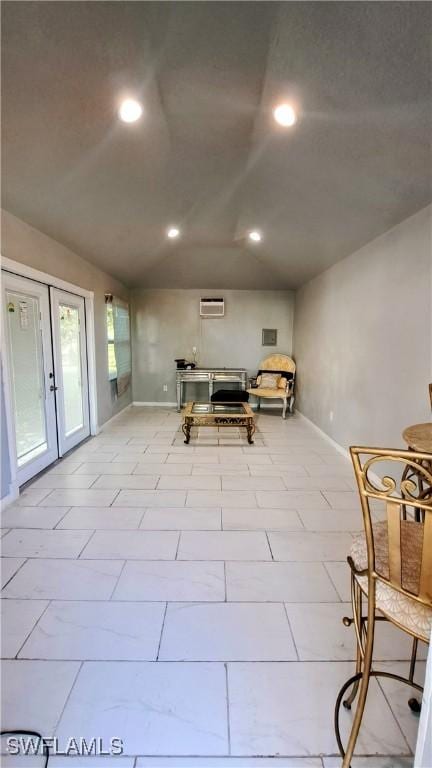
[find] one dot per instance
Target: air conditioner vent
(212, 307)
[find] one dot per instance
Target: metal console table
(209, 376)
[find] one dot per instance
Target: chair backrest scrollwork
(399, 483)
(278, 363)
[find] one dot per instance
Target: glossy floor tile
(341, 578)
(317, 634)
(260, 519)
(65, 580)
(171, 581)
(32, 517)
(73, 497)
(230, 762)
(283, 709)
(309, 546)
(31, 496)
(150, 499)
(371, 762)
(96, 630)
(188, 599)
(331, 520)
(397, 695)
(65, 481)
(221, 499)
(300, 500)
(181, 518)
(8, 567)
(119, 482)
(132, 545)
(232, 483)
(106, 468)
(33, 693)
(226, 632)
(101, 518)
(18, 617)
(44, 543)
(279, 582)
(153, 707)
(223, 545)
(161, 469)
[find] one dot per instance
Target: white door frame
(22, 270)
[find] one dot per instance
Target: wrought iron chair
(391, 567)
(286, 368)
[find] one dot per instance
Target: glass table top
(218, 408)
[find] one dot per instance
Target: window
(118, 338)
(112, 367)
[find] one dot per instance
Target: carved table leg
(186, 431)
(250, 431)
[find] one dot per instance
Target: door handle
(53, 388)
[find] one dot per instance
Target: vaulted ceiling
(207, 154)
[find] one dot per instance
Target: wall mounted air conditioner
(212, 307)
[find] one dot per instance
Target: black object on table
(230, 396)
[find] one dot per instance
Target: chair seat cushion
(280, 392)
(268, 380)
(403, 610)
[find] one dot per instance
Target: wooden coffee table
(218, 415)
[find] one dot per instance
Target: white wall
(29, 246)
(166, 325)
(362, 339)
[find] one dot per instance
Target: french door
(47, 371)
(31, 374)
(70, 365)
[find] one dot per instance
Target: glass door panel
(70, 350)
(28, 387)
(68, 316)
(30, 371)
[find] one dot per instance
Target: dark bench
(230, 396)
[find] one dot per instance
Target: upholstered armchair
(275, 380)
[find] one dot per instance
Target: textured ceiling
(207, 154)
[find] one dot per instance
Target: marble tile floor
(189, 600)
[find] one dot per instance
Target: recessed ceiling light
(173, 232)
(130, 111)
(255, 236)
(284, 115)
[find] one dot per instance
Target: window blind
(119, 345)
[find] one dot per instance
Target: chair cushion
(268, 380)
(230, 396)
(282, 381)
(405, 611)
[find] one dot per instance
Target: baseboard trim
(339, 448)
(11, 496)
(174, 405)
(157, 405)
